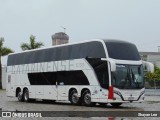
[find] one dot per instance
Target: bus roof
(61, 45)
(93, 48)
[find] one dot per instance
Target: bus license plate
(131, 98)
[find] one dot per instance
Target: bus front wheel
(116, 104)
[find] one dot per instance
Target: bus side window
(61, 76)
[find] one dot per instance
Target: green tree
(32, 45)
(3, 51)
(153, 78)
(155, 75)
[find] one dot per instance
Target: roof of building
(60, 35)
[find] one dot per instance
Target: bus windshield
(128, 77)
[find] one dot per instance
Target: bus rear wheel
(86, 98)
(74, 99)
(26, 95)
(20, 96)
(116, 104)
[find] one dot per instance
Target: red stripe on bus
(110, 94)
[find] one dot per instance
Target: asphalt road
(152, 103)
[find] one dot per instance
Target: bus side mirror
(112, 64)
(148, 66)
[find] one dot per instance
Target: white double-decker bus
(95, 71)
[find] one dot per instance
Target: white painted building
(153, 57)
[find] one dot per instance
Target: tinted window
(43, 78)
(93, 49)
(72, 78)
(101, 70)
(122, 50)
(65, 77)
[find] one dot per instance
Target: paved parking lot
(152, 103)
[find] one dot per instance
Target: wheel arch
(25, 88)
(84, 89)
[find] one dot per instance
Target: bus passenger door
(61, 91)
(61, 87)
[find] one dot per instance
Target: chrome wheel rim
(26, 96)
(75, 98)
(87, 98)
(19, 96)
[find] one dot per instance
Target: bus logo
(6, 114)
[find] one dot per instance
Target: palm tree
(32, 45)
(3, 51)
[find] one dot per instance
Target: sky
(136, 21)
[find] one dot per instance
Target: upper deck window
(92, 49)
(122, 50)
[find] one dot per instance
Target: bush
(153, 78)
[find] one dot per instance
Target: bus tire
(20, 96)
(74, 99)
(26, 95)
(116, 104)
(86, 98)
